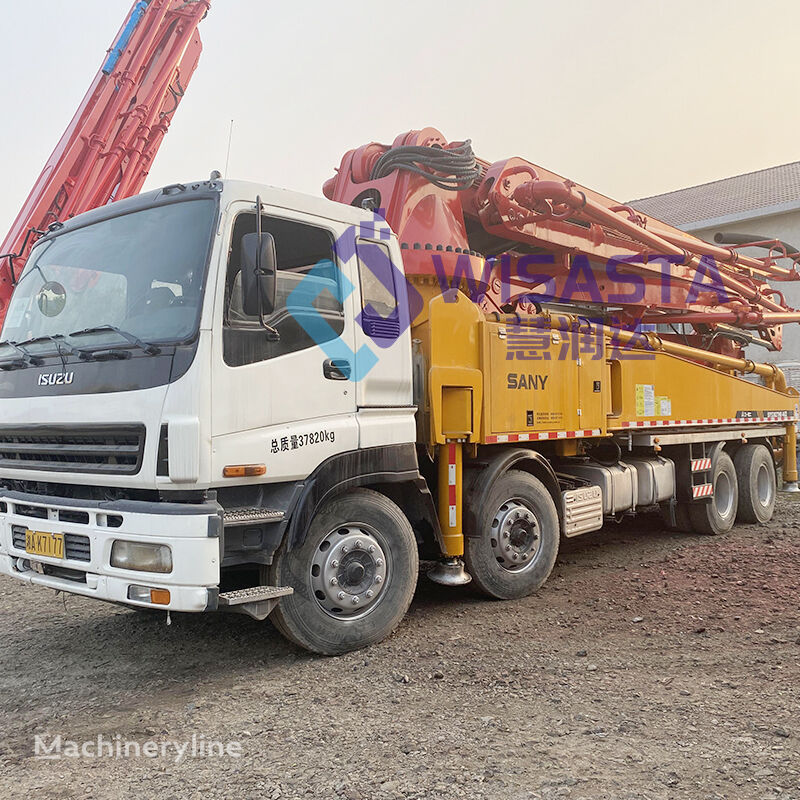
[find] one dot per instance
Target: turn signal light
(159, 597)
(149, 594)
(244, 471)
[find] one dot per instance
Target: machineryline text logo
(56, 748)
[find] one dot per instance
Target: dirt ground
(652, 665)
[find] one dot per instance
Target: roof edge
(711, 183)
(740, 216)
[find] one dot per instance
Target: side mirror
(259, 265)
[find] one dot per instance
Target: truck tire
(518, 536)
(353, 577)
(755, 474)
(717, 514)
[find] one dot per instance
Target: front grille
(76, 547)
(18, 537)
(99, 449)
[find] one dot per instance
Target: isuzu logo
(56, 378)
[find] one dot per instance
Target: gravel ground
(652, 665)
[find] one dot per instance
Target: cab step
(257, 601)
(249, 516)
(254, 594)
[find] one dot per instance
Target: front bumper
(191, 531)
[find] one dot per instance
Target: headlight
(141, 557)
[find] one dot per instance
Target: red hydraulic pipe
(726, 255)
(533, 194)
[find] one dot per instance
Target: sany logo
(361, 242)
(56, 378)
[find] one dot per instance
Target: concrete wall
(785, 227)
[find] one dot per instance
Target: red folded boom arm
(496, 224)
(108, 147)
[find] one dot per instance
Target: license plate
(50, 545)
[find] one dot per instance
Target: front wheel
(353, 577)
(515, 547)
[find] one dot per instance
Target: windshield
(142, 273)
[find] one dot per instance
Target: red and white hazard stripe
(542, 437)
(701, 464)
(666, 423)
(451, 485)
(704, 490)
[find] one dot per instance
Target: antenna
(228, 158)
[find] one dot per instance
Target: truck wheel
(353, 577)
(518, 538)
(755, 474)
(717, 514)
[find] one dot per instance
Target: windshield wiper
(58, 340)
(27, 358)
(150, 349)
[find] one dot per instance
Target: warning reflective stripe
(451, 485)
(541, 437)
(701, 464)
(657, 423)
(705, 490)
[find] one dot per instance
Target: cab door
(284, 397)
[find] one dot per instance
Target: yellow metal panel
(451, 335)
(659, 387)
(552, 387)
(563, 377)
(456, 412)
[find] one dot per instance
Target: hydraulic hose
(454, 168)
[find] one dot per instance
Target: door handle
(336, 369)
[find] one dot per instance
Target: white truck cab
(157, 435)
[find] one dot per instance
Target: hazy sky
(631, 97)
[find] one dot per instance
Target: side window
(307, 293)
(380, 318)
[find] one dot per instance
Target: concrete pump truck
(226, 396)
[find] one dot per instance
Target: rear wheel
(717, 515)
(755, 474)
(517, 538)
(353, 577)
